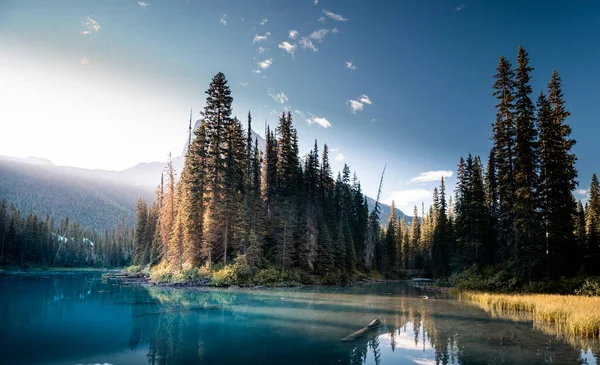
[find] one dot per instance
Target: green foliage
(590, 288)
(224, 277)
(267, 277)
(161, 274)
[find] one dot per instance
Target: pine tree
(441, 247)
(492, 204)
(557, 181)
(140, 244)
(389, 260)
(504, 149)
(592, 223)
(527, 229)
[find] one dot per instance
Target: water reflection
(77, 318)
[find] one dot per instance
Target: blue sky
(109, 83)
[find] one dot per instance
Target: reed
(568, 315)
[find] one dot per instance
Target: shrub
(223, 277)
(270, 276)
(589, 289)
(161, 273)
(134, 269)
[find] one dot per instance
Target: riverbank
(569, 315)
(18, 269)
(228, 276)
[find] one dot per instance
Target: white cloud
(335, 30)
(91, 26)
(320, 121)
(350, 65)
(256, 71)
(298, 112)
(84, 61)
(355, 106)
(264, 21)
(223, 19)
(262, 50)
(279, 97)
(319, 34)
(335, 16)
(265, 64)
(244, 84)
(260, 38)
(339, 156)
(308, 44)
(322, 19)
(358, 104)
(582, 192)
(430, 176)
(289, 48)
(143, 4)
(293, 34)
(405, 200)
(316, 2)
(460, 7)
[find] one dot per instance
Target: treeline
(519, 212)
(33, 241)
(234, 204)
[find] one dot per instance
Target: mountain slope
(93, 201)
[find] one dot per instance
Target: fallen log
(374, 323)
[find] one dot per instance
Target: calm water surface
(76, 318)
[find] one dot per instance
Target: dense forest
(236, 207)
(33, 241)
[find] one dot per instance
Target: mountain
(385, 211)
(87, 196)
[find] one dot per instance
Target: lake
(76, 318)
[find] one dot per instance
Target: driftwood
(374, 323)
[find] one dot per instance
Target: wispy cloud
(365, 99)
(351, 66)
(84, 61)
(260, 38)
(460, 7)
(223, 19)
(582, 192)
(319, 34)
(322, 19)
(293, 34)
(279, 97)
(265, 64)
(430, 176)
(339, 156)
(335, 16)
(320, 121)
(256, 71)
(90, 26)
(244, 84)
(299, 113)
(335, 30)
(316, 2)
(262, 50)
(308, 44)
(358, 104)
(264, 21)
(289, 48)
(143, 4)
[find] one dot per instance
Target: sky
(406, 84)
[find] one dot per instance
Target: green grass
(564, 315)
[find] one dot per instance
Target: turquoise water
(76, 318)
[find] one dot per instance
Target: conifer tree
(557, 181)
(140, 233)
(593, 227)
(504, 149)
(527, 228)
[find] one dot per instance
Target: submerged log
(374, 323)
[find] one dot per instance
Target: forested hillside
(95, 202)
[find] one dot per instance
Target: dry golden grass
(569, 315)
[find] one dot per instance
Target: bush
(161, 273)
(270, 276)
(589, 289)
(223, 277)
(134, 269)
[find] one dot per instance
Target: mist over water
(76, 318)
